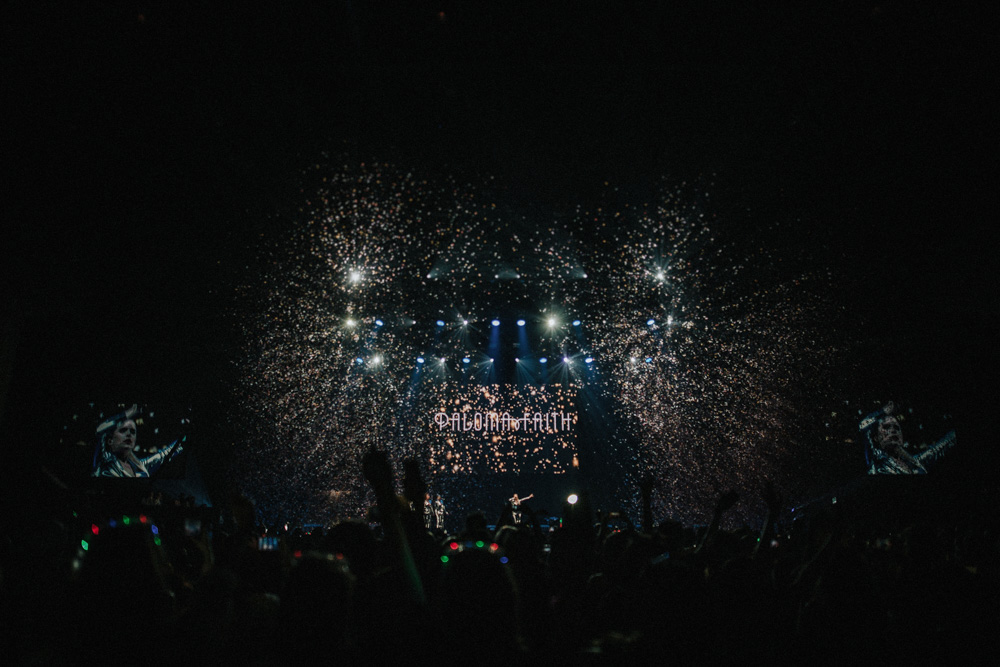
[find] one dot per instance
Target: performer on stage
(888, 454)
(114, 454)
(438, 512)
(515, 505)
(428, 510)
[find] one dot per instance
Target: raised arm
(774, 502)
(726, 500)
(378, 471)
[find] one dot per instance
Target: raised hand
(771, 496)
(726, 500)
(377, 470)
(414, 487)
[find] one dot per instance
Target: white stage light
(520, 323)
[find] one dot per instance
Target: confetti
(374, 311)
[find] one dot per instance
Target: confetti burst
(714, 370)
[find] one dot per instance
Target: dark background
(145, 147)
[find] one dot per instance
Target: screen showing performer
(116, 448)
(887, 452)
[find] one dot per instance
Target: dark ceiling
(145, 143)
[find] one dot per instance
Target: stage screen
(502, 429)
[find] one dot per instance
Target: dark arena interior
(574, 332)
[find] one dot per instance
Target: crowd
(179, 585)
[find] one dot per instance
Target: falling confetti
(392, 297)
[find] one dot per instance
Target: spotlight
(670, 320)
(442, 361)
(378, 323)
(520, 323)
(359, 361)
(588, 360)
(660, 275)
(649, 360)
(576, 323)
(650, 322)
(355, 276)
(377, 359)
(633, 359)
(543, 360)
(552, 322)
(517, 360)
(465, 360)
(495, 323)
(491, 360)
(440, 323)
(565, 360)
(420, 360)
(465, 323)
(349, 322)
(572, 498)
